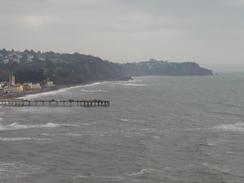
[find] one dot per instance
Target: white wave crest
(124, 120)
(108, 177)
(17, 126)
(9, 171)
(73, 134)
(32, 96)
(62, 90)
(16, 139)
(93, 91)
(238, 127)
(142, 172)
(134, 84)
(129, 84)
(223, 169)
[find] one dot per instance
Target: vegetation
(154, 67)
(31, 66)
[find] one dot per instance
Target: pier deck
(54, 103)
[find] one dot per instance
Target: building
(2, 84)
(30, 58)
(31, 86)
(49, 84)
(12, 87)
(11, 79)
(36, 86)
(6, 61)
(18, 88)
(27, 86)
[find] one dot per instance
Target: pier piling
(54, 103)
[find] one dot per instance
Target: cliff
(154, 67)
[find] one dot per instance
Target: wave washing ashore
(64, 89)
(71, 102)
(58, 90)
(52, 90)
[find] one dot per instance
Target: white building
(49, 84)
(36, 86)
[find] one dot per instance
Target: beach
(50, 90)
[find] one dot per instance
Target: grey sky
(210, 32)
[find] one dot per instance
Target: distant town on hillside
(31, 69)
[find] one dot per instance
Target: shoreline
(55, 88)
(23, 94)
(44, 90)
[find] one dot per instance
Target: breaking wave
(129, 84)
(224, 170)
(17, 170)
(16, 139)
(93, 91)
(117, 178)
(62, 90)
(124, 120)
(107, 178)
(17, 126)
(134, 84)
(142, 172)
(236, 127)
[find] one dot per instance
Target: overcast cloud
(210, 32)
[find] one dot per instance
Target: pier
(54, 103)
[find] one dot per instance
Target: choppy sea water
(158, 129)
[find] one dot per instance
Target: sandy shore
(55, 88)
(44, 90)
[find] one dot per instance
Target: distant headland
(51, 70)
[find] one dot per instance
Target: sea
(158, 129)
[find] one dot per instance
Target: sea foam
(238, 127)
(62, 90)
(17, 126)
(124, 120)
(142, 172)
(93, 91)
(16, 139)
(134, 84)
(10, 170)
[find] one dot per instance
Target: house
(49, 84)
(36, 86)
(30, 58)
(2, 84)
(27, 86)
(6, 61)
(18, 88)
(11, 79)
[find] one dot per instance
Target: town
(12, 89)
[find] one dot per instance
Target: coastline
(23, 94)
(55, 88)
(44, 90)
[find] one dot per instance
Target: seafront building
(49, 84)
(11, 79)
(14, 89)
(27, 86)
(36, 86)
(11, 87)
